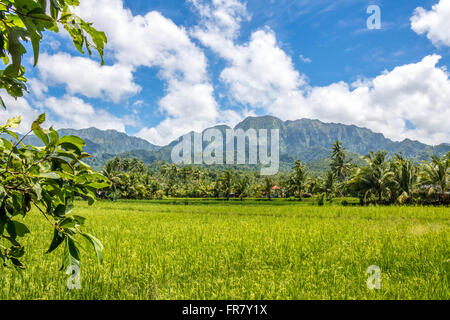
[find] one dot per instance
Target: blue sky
(333, 34)
(174, 66)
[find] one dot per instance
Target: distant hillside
(99, 142)
(311, 140)
(307, 140)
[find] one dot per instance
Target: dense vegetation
(279, 249)
(49, 176)
(47, 179)
(383, 180)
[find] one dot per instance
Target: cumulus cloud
(152, 40)
(73, 112)
(417, 94)
(87, 77)
(435, 23)
(411, 101)
(38, 88)
(259, 72)
(65, 112)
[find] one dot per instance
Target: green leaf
(54, 136)
(12, 123)
(38, 191)
(73, 140)
(68, 222)
(99, 185)
(71, 255)
(17, 263)
(17, 252)
(80, 220)
(56, 4)
(58, 238)
(16, 229)
(2, 103)
(15, 48)
(38, 131)
(49, 175)
(41, 119)
(98, 246)
(35, 37)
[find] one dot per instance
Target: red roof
(276, 188)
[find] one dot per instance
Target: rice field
(217, 250)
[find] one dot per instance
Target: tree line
(383, 180)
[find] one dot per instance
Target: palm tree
(197, 176)
(226, 183)
(112, 172)
(173, 172)
(436, 176)
(268, 185)
(241, 186)
(339, 166)
(376, 179)
(298, 178)
(186, 173)
(313, 185)
(405, 175)
(126, 165)
(116, 164)
(164, 170)
(329, 184)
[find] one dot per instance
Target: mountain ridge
(304, 139)
(311, 140)
(100, 142)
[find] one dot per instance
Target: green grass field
(216, 250)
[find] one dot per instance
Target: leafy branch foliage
(47, 178)
(26, 20)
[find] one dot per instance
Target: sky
(175, 66)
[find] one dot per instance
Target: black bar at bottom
(234, 309)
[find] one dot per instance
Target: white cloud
(65, 112)
(84, 76)
(185, 106)
(260, 74)
(152, 40)
(418, 93)
(304, 59)
(73, 112)
(18, 107)
(221, 17)
(435, 23)
(37, 88)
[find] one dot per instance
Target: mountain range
(304, 139)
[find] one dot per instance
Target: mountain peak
(264, 122)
